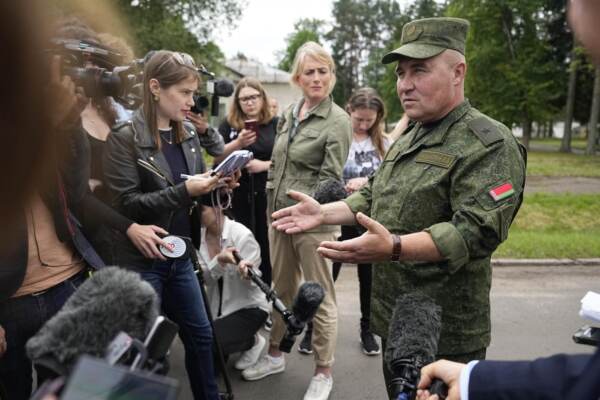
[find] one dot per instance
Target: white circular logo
(176, 247)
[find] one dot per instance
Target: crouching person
(238, 306)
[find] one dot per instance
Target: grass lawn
(555, 226)
(562, 164)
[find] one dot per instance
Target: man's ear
(459, 72)
(154, 86)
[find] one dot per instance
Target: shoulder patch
(436, 158)
(487, 133)
(120, 125)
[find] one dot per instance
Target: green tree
(305, 30)
(358, 36)
(512, 75)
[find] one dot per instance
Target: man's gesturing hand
(374, 245)
(300, 217)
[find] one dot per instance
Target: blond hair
(317, 52)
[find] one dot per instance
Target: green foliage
(512, 74)
(360, 32)
(555, 226)
(305, 30)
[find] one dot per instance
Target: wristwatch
(397, 249)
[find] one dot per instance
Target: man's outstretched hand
(300, 217)
(374, 245)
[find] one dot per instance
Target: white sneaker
(319, 388)
(250, 356)
(265, 366)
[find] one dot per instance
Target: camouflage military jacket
(308, 153)
(462, 181)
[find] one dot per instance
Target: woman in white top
(238, 306)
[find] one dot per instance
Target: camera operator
(50, 255)
(237, 304)
(565, 377)
(143, 167)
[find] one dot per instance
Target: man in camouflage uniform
(442, 200)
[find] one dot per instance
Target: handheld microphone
(412, 343)
(111, 301)
(329, 191)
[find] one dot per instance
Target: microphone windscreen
(112, 300)
(329, 191)
(307, 301)
(224, 87)
(414, 330)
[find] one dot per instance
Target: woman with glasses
(313, 138)
(250, 104)
(143, 166)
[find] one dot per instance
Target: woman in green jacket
(311, 146)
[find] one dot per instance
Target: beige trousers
(293, 258)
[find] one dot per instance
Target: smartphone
(587, 335)
(251, 125)
(95, 379)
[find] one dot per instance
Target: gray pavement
(534, 314)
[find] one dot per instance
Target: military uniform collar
(143, 136)
(435, 132)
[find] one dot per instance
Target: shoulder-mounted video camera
(98, 70)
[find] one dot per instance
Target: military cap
(425, 38)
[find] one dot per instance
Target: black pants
(242, 200)
(365, 279)
(236, 331)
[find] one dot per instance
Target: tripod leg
(220, 358)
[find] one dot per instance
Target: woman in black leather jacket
(143, 164)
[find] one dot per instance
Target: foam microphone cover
(224, 87)
(414, 330)
(112, 300)
(329, 191)
(307, 301)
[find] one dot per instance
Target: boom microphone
(111, 301)
(413, 338)
(307, 302)
(329, 191)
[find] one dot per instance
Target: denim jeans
(21, 318)
(179, 290)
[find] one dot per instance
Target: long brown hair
(168, 68)
(236, 115)
(368, 98)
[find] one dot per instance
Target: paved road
(534, 313)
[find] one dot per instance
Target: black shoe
(368, 343)
(305, 346)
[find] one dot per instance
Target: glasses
(248, 99)
(184, 59)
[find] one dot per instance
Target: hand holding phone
(251, 125)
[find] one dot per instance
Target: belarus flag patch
(502, 192)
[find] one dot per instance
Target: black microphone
(412, 343)
(113, 300)
(307, 302)
(329, 191)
